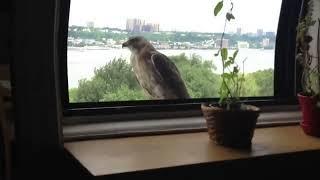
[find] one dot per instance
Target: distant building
(250, 34)
(105, 30)
(239, 31)
(89, 41)
(139, 25)
(129, 24)
(134, 25)
(270, 34)
(110, 42)
(163, 45)
(259, 32)
(149, 27)
(268, 44)
(265, 42)
(243, 45)
(86, 29)
(209, 43)
(225, 43)
(90, 24)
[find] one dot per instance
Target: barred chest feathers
(145, 76)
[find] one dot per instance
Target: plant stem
(241, 82)
(223, 66)
(318, 55)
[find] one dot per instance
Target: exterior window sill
(107, 157)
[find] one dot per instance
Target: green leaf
(236, 70)
(224, 54)
(228, 63)
(217, 54)
(218, 8)
(235, 54)
(230, 16)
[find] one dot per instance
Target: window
(99, 72)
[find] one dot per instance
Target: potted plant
(309, 98)
(230, 122)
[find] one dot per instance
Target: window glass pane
(100, 70)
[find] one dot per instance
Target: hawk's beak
(125, 44)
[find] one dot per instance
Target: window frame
(37, 109)
(284, 79)
(35, 82)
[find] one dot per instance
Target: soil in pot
(232, 128)
(310, 122)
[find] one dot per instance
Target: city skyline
(192, 15)
(90, 36)
(237, 30)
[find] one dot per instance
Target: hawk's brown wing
(169, 74)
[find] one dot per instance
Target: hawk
(155, 72)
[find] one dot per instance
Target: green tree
(116, 81)
(265, 82)
(124, 93)
(259, 83)
(91, 90)
(249, 87)
(73, 94)
(108, 82)
(198, 75)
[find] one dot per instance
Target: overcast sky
(179, 15)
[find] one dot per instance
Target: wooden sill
(124, 155)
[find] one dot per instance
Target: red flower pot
(310, 115)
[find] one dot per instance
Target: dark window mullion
(285, 64)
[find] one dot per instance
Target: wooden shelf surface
(113, 156)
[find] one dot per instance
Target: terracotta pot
(231, 128)
(310, 115)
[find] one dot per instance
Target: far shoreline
(108, 48)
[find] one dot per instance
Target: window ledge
(163, 126)
(135, 154)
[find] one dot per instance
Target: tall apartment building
(138, 25)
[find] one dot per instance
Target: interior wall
(4, 31)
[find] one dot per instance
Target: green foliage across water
(115, 81)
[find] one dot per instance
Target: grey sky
(180, 15)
